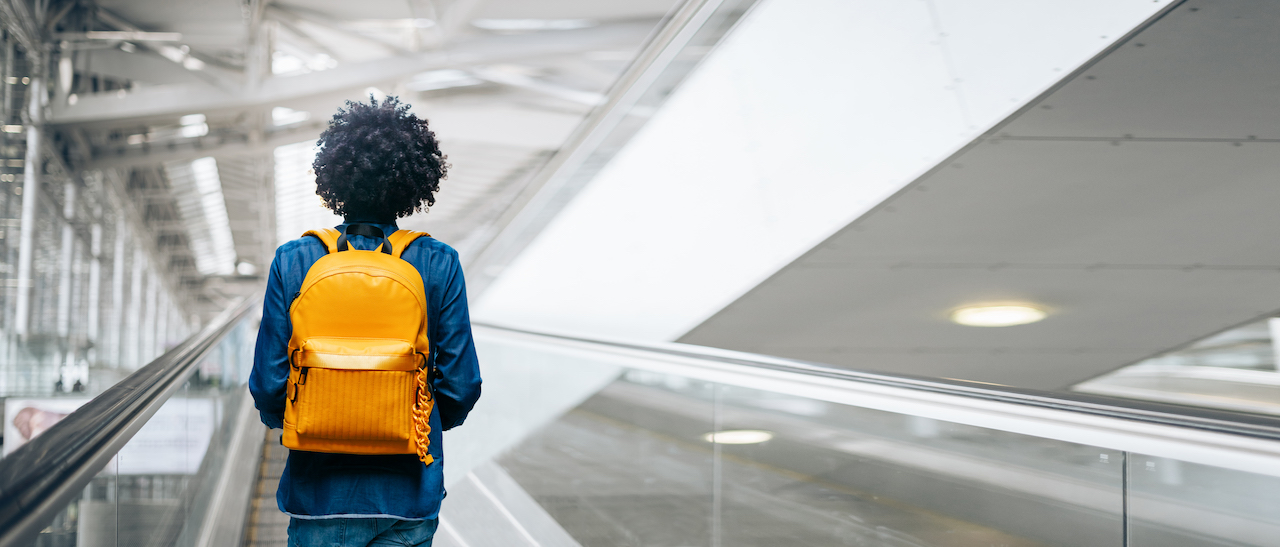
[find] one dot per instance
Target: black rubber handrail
(40, 478)
(1222, 421)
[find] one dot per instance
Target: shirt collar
(387, 227)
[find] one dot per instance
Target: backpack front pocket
(355, 389)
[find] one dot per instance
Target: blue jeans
(361, 532)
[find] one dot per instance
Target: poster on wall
(25, 419)
(173, 441)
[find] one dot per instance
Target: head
(378, 161)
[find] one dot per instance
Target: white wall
(809, 114)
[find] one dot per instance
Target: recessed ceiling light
(1006, 315)
(515, 25)
(738, 436)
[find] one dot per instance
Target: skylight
(198, 191)
(287, 116)
(298, 208)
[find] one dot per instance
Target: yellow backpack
(359, 380)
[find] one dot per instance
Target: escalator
(596, 442)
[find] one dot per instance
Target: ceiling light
(193, 125)
(135, 35)
(1006, 315)
(285, 116)
(515, 25)
(171, 53)
(377, 94)
(441, 79)
(738, 436)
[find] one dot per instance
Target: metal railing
(1242, 441)
(841, 454)
(39, 479)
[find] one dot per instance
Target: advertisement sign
(173, 441)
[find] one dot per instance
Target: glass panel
(636, 465)
(821, 473)
(628, 466)
(1173, 503)
(157, 490)
(1232, 370)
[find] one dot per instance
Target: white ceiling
(1136, 202)
(541, 87)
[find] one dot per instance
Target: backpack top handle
(367, 230)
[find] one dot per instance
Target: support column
(30, 195)
(162, 324)
(149, 318)
(64, 262)
(117, 293)
(94, 313)
(8, 73)
(132, 337)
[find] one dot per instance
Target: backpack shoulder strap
(328, 236)
(401, 239)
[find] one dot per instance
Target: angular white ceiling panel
(808, 115)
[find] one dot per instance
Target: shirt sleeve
(457, 382)
(271, 355)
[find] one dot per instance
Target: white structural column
(71, 369)
(64, 262)
(130, 337)
(148, 334)
(117, 294)
(31, 171)
(94, 309)
(162, 323)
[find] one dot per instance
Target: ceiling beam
(291, 16)
(308, 40)
(20, 22)
(225, 148)
(183, 99)
(196, 64)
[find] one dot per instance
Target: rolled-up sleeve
(271, 355)
(457, 382)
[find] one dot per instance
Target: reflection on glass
(613, 472)
(1174, 503)
(156, 490)
(1233, 370)
(634, 465)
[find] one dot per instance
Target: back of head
(378, 161)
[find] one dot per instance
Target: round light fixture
(997, 316)
(738, 436)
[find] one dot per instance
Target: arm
(457, 381)
(271, 356)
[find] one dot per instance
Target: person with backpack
(365, 352)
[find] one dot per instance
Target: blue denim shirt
(316, 485)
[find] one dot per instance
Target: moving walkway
(596, 442)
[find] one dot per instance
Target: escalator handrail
(1204, 419)
(39, 479)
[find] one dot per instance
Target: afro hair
(378, 161)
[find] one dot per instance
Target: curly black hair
(378, 161)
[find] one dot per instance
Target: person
(377, 162)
